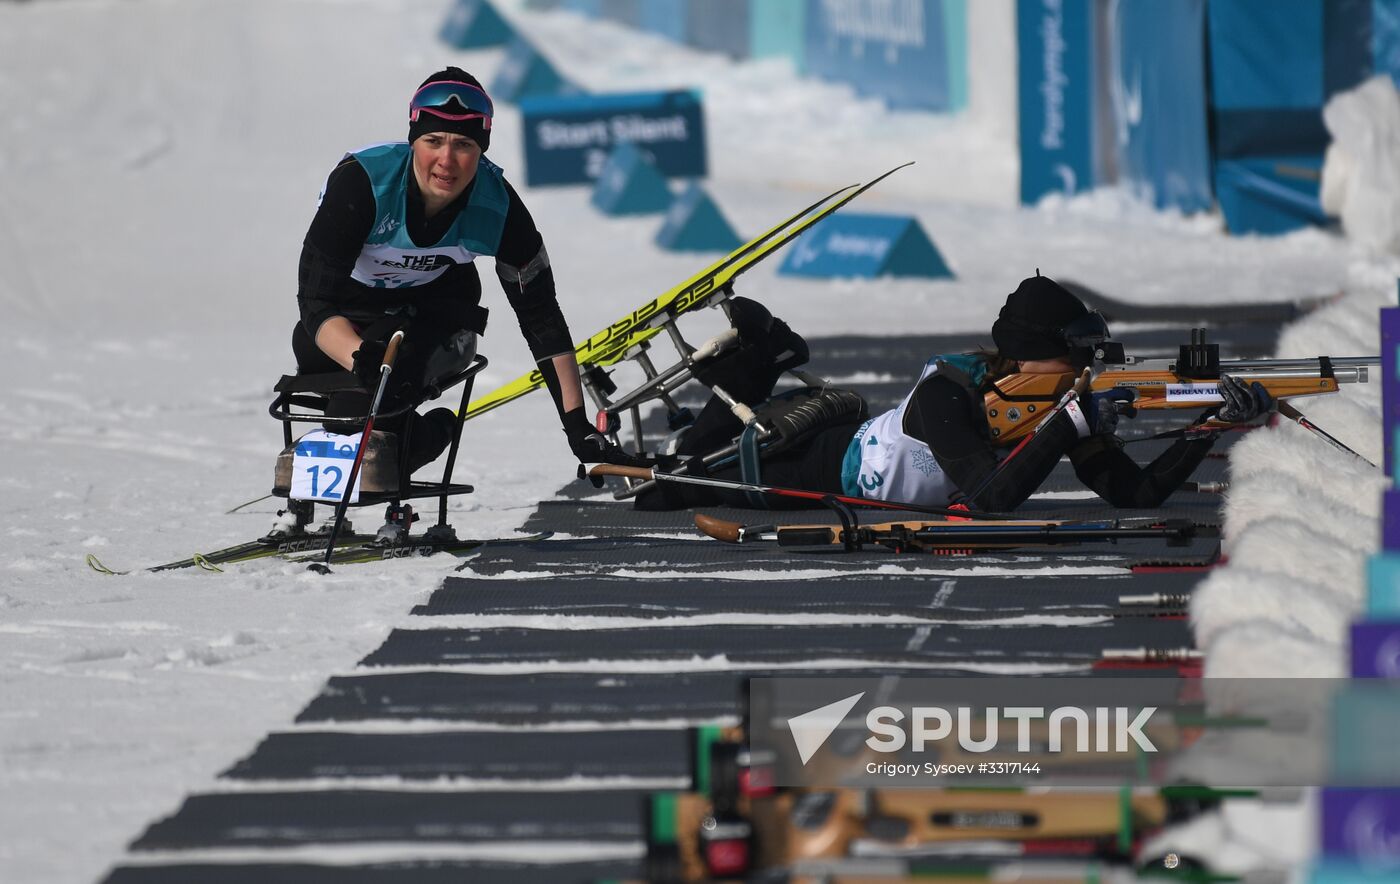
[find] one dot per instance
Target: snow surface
(159, 163)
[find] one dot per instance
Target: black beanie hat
(1031, 324)
(477, 128)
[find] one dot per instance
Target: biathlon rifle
(1018, 403)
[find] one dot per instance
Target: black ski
(370, 551)
(240, 552)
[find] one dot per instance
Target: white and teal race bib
(321, 467)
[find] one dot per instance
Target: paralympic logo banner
(1055, 42)
(910, 732)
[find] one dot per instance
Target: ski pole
(247, 503)
(1301, 420)
(645, 473)
(385, 368)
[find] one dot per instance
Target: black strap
(329, 382)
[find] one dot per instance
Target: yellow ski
(608, 346)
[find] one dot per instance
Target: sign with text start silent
(568, 138)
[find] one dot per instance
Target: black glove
(367, 361)
(1242, 403)
(591, 446)
(1102, 410)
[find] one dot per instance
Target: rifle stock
(1017, 403)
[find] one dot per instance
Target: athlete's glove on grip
(591, 446)
(367, 361)
(1099, 413)
(1242, 403)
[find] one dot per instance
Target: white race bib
(321, 466)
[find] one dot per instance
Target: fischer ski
(305, 548)
(263, 547)
(415, 546)
(609, 345)
(944, 537)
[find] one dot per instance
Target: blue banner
(666, 18)
(1385, 37)
(627, 12)
(894, 49)
(1055, 40)
(719, 26)
(1390, 395)
(778, 27)
(1157, 90)
(568, 138)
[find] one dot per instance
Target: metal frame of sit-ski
(661, 383)
(312, 392)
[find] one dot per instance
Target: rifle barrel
(1346, 369)
(1308, 362)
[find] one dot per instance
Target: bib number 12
(320, 466)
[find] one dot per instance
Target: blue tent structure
(695, 224)
(630, 184)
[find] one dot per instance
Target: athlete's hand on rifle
(1103, 409)
(1242, 403)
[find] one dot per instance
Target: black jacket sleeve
(1101, 464)
(947, 416)
(337, 234)
(522, 265)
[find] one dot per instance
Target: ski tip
(95, 564)
(319, 568)
(719, 529)
(206, 565)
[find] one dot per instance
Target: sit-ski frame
(660, 384)
(312, 405)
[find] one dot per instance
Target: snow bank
(1361, 171)
(1302, 517)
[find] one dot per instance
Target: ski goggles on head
(452, 100)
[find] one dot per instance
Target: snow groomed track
(511, 727)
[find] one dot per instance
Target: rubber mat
(268, 819)
(971, 597)
(769, 644)
(528, 755)
(642, 555)
(378, 873)
(530, 698)
(570, 697)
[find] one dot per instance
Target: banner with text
(897, 50)
(568, 138)
(907, 732)
(1055, 40)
